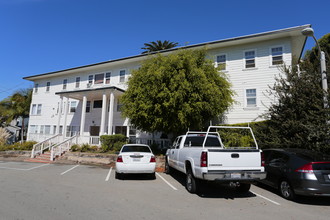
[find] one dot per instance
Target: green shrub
(117, 146)
(94, 148)
(75, 148)
(85, 148)
(108, 141)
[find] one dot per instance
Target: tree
(16, 106)
(298, 119)
(158, 45)
(175, 92)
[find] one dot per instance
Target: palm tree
(158, 45)
(16, 106)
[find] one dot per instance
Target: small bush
(85, 148)
(94, 148)
(108, 141)
(75, 148)
(28, 145)
(117, 146)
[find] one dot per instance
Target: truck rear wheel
(191, 182)
(168, 169)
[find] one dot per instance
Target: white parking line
(276, 203)
(69, 170)
(166, 181)
(108, 176)
(21, 169)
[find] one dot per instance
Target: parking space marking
(69, 170)
(276, 203)
(21, 169)
(166, 181)
(108, 176)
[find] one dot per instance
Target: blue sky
(40, 36)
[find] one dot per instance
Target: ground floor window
(121, 130)
(72, 130)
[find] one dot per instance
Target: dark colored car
(297, 172)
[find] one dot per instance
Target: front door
(94, 130)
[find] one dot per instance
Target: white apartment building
(85, 100)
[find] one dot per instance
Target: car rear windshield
(136, 148)
(321, 166)
(197, 141)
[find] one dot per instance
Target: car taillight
(262, 159)
(152, 159)
(119, 159)
(204, 159)
(307, 168)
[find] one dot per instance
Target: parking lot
(57, 191)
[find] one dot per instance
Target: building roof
(281, 33)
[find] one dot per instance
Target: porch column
(110, 122)
(83, 116)
(59, 116)
(104, 109)
(65, 117)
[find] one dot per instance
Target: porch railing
(40, 147)
(58, 149)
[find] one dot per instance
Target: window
(73, 106)
(47, 86)
(36, 86)
(251, 97)
(250, 59)
(42, 127)
(121, 130)
(122, 76)
(107, 78)
(36, 109)
(277, 55)
(119, 105)
(72, 130)
(90, 80)
(39, 109)
(65, 83)
(77, 82)
(97, 104)
(33, 129)
(88, 106)
(99, 78)
(221, 61)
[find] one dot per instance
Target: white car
(135, 158)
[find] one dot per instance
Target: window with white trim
(277, 55)
(251, 97)
(77, 82)
(122, 75)
(36, 86)
(73, 106)
(47, 86)
(90, 80)
(65, 84)
(99, 78)
(36, 109)
(33, 129)
(221, 61)
(107, 78)
(250, 59)
(88, 106)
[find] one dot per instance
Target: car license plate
(136, 159)
(235, 175)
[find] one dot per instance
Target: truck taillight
(262, 159)
(204, 159)
(119, 159)
(152, 159)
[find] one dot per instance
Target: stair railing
(40, 147)
(58, 149)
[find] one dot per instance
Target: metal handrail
(40, 147)
(59, 148)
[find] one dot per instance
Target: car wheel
(118, 176)
(153, 176)
(244, 187)
(191, 182)
(286, 190)
(168, 169)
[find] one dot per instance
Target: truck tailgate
(234, 159)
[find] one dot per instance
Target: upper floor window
(36, 86)
(277, 55)
(88, 106)
(36, 109)
(221, 61)
(99, 78)
(65, 84)
(251, 98)
(122, 75)
(90, 80)
(250, 61)
(47, 86)
(107, 78)
(77, 82)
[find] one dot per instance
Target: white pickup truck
(215, 156)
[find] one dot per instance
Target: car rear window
(197, 141)
(321, 166)
(136, 148)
